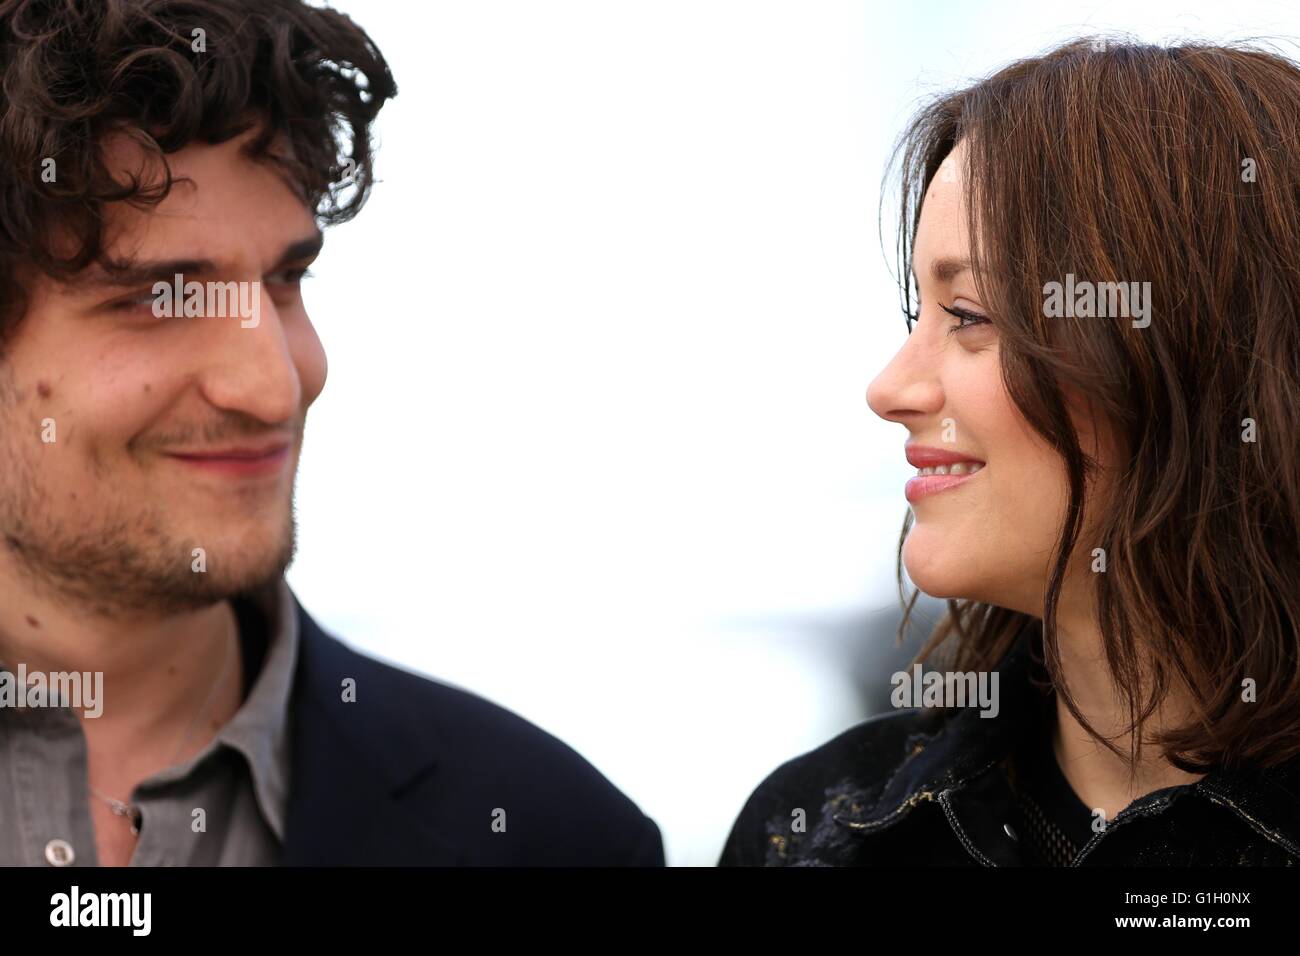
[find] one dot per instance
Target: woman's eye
(966, 319)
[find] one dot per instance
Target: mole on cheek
(32, 621)
(147, 386)
(43, 389)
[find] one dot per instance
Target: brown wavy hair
(73, 71)
(1178, 165)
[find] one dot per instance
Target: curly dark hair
(169, 73)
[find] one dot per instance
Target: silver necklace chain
(124, 809)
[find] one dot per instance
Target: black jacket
(413, 772)
(928, 787)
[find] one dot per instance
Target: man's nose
(253, 371)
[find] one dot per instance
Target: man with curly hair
(166, 167)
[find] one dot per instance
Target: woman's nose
(907, 387)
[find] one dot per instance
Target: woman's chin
(935, 567)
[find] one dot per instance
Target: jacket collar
(944, 754)
(351, 760)
(949, 754)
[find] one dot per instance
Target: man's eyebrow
(946, 269)
(308, 248)
(130, 272)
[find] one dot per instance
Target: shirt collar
(260, 728)
(943, 754)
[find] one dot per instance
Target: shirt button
(1010, 832)
(59, 853)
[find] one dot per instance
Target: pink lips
(922, 486)
(238, 461)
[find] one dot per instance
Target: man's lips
(238, 460)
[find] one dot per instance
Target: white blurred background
(595, 442)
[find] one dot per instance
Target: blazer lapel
(349, 762)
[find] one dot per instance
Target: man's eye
(144, 301)
(290, 276)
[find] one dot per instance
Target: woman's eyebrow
(945, 269)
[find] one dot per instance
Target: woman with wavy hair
(1101, 391)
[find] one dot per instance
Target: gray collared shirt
(240, 780)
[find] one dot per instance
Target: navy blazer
(415, 772)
